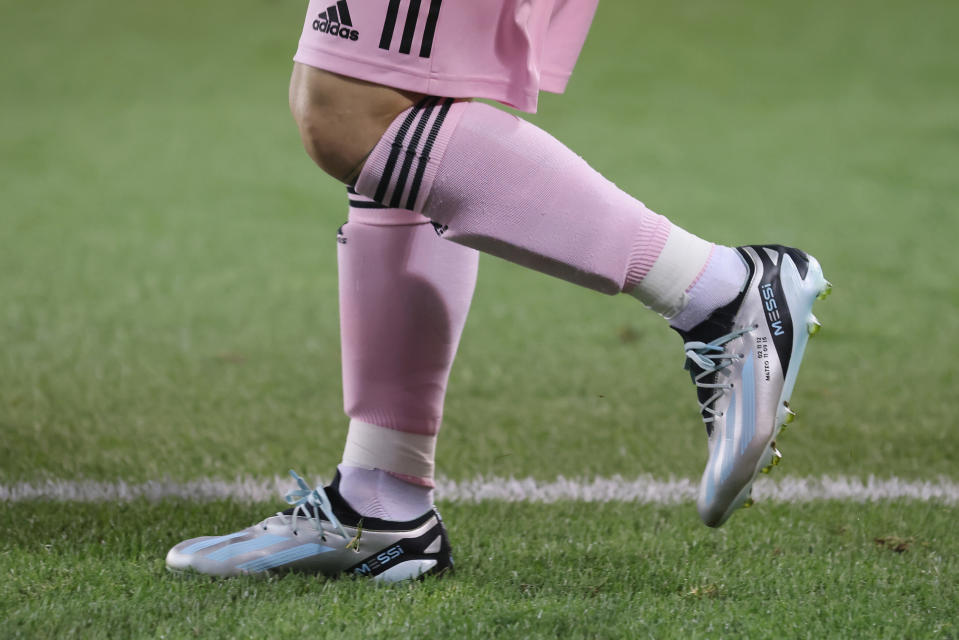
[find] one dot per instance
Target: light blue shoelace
(316, 498)
(712, 357)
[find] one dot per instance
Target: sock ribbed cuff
(664, 289)
(651, 237)
(388, 418)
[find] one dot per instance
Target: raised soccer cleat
(744, 360)
(322, 534)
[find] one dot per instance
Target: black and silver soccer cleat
(321, 533)
(744, 360)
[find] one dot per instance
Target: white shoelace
(320, 502)
(712, 357)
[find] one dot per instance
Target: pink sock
(502, 185)
(404, 297)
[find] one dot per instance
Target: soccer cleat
(744, 360)
(322, 534)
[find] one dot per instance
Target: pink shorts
(505, 50)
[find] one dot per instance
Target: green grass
(168, 309)
(615, 570)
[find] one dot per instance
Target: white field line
(642, 490)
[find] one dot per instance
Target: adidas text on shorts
(505, 50)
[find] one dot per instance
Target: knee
(341, 119)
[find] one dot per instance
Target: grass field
(168, 311)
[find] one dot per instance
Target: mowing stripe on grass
(643, 490)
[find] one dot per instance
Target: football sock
(722, 279)
(404, 297)
(374, 493)
(497, 183)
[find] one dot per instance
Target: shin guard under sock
(404, 298)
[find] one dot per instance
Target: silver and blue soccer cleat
(744, 360)
(322, 534)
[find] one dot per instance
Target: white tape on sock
(372, 447)
(679, 264)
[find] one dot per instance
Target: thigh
(342, 118)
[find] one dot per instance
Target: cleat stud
(790, 416)
(826, 290)
(777, 455)
(813, 325)
(749, 502)
(766, 469)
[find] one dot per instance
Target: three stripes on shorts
(409, 26)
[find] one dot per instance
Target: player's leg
(499, 184)
(404, 298)
(502, 185)
(561, 217)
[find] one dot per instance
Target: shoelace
(712, 357)
(316, 498)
